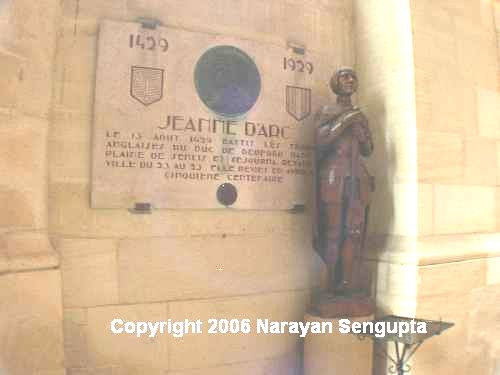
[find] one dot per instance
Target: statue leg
(351, 254)
(358, 254)
(333, 242)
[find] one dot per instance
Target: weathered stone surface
(481, 162)
(106, 349)
(17, 209)
(493, 271)
(75, 338)
(89, 271)
(71, 215)
(425, 209)
(393, 209)
(440, 157)
(162, 269)
(476, 46)
(207, 350)
(434, 280)
(468, 303)
(488, 113)
(281, 365)
(27, 251)
(464, 209)
(336, 352)
(31, 337)
(9, 83)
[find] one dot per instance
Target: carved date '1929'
(147, 42)
(289, 63)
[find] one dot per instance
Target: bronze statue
(343, 189)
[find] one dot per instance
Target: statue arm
(324, 135)
(330, 130)
(364, 136)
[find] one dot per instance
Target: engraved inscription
(297, 65)
(186, 148)
(147, 42)
(201, 121)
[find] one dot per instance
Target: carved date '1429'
(289, 63)
(147, 42)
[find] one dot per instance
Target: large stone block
(434, 34)
(31, 337)
(17, 209)
(452, 344)
(70, 214)
(70, 126)
(75, 96)
(488, 102)
(76, 57)
(493, 271)
(425, 209)
(481, 162)
(464, 209)
(212, 266)
(497, 207)
(469, 344)
(27, 251)
(33, 37)
(496, 14)
(451, 278)
(75, 338)
(454, 112)
(89, 271)
(282, 365)
(9, 82)
(476, 47)
(94, 9)
(69, 147)
(22, 150)
(336, 353)
(106, 349)
(35, 90)
(93, 371)
(207, 350)
(69, 160)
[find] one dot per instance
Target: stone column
(430, 73)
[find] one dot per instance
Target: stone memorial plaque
(196, 120)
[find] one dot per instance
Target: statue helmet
(334, 81)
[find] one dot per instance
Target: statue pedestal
(337, 353)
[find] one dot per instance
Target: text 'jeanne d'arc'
(229, 127)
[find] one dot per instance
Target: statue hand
(359, 133)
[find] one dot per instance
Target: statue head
(344, 82)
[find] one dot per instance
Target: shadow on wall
(30, 323)
(382, 165)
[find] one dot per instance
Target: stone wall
(176, 263)
(31, 337)
(436, 245)
(430, 85)
(458, 116)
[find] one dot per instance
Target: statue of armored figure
(342, 198)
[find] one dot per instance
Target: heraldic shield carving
(146, 84)
(298, 102)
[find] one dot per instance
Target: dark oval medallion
(227, 194)
(227, 81)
